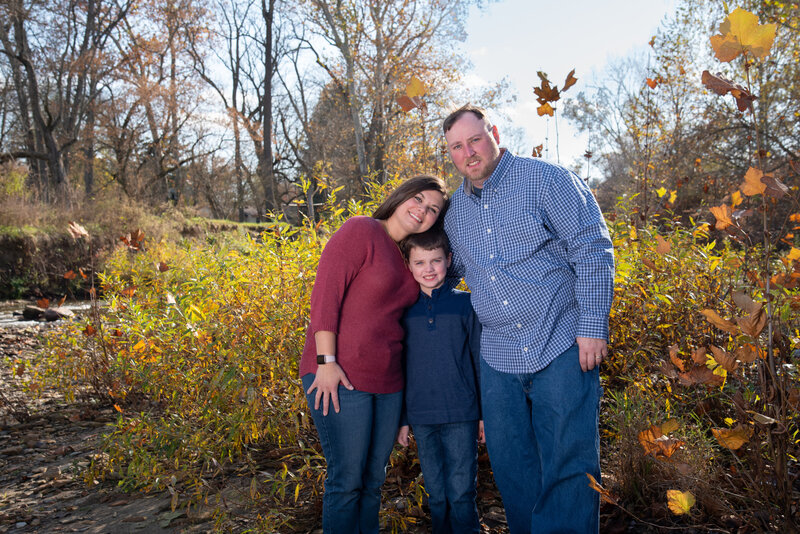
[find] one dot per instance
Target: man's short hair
(428, 240)
(467, 108)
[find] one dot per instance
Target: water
(9, 320)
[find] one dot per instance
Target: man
(530, 241)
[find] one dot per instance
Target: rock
(54, 314)
(20, 524)
(32, 313)
(11, 451)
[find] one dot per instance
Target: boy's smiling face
(429, 267)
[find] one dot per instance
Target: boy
(441, 363)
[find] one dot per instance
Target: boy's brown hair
(429, 240)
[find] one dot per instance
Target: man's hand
(326, 382)
(591, 352)
(481, 432)
(402, 436)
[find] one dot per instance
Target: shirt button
(488, 230)
(525, 349)
(486, 206)
(430, 321)
(493, 278)
(519, 325)
(491, 256)
(505, 303)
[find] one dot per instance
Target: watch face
(320, 358)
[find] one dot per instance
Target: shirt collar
(496, 178)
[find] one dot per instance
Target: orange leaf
(651, 83)
(162, 267)
(604, 493)
(752, 184)
(723, 215)
(20, 370)
(116, 407)
(43, 303)
(722, 86)
(753, 324)
(70, 275)
(680, 502)
(89, 331)
(724, 359)
(654, 441)
(83, 274)
(676, 359)
(537, 151)
(723, 324)
(733, 438)
(406, 104)
(128, 291)
(664, 246)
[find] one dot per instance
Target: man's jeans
(448, 455)
(542, 436)
(357, 443)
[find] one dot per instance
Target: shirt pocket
(521, 236)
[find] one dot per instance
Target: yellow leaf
(661, 191)
(604, 493)
(634, 234)
(415, 88)
(680, 502)
(733, 438)
(741, 33)
(723, 215)
(736, 198)
(794, 254)
(545, 109)
(672, 196)
(752, 184)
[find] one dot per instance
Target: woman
(351, 365)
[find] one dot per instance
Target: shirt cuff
(593, 327)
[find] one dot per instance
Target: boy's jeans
(542, 436)
(448, 455)
(357, 443)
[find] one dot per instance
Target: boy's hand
(481, 433)
(402, 436)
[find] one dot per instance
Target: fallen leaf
(745, 303)
(701, 375)
(43, 303)
(676, 359)
(70, 275)
(774, 187)
(733, 438)
(699, 355)
(761, 418)
(680, 502)
(747, 353)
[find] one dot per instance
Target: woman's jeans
(448, 455)
(356, 443)
(542, 436)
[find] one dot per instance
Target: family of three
(390, 343)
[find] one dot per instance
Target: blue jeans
(448, 455)
(542, 436)
(356, 443)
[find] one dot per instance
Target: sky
(516, 38)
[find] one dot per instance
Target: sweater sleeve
(340, 262)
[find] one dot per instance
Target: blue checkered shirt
(535, 252)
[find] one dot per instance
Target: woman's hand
(326, 382)
(402, 436)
